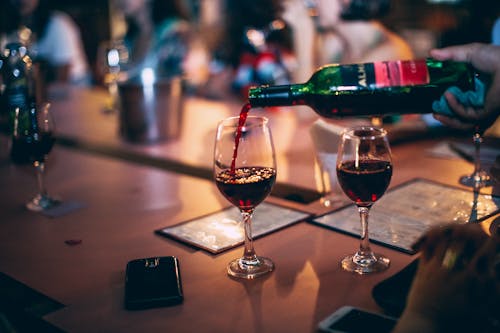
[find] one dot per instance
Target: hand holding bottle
(484, 58)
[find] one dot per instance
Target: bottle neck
(281, 95)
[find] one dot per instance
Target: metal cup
(150, 112)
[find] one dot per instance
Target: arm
(62, 48)
(304, 34)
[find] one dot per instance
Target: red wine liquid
(366, 182)
(246, 187)
(29, 149)
(241, 122)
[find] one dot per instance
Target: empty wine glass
(479, 177)
(245, 172)
(364, 171)
(32, 141)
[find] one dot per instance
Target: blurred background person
(474, 21)
(341, 31)
(52, 37)
(256, 45)
(158, 35)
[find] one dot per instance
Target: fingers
(455, 53)
(446, 245)
(463, 248)
(495, 224)
(453, 122)
(467, 116)
(487, 259)
(433, 242)
(484, 57)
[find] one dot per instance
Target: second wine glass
(245, 172)
(364, 171)
(32, 141)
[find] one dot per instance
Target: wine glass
(113, 56)
(479, 177)
(364, 171)
(32, 142)
(245, 172)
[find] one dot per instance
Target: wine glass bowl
(364, 171)
(245, 172)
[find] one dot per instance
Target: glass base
(364, 264)
(42, 202)
(480, 179)
(241, 268)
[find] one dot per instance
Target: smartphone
(348, 319)
(152, 282)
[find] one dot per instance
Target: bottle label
(384, 74)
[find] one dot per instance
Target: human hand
(457, 284)
(485, 58)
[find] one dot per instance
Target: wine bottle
(25, 134)
(370, 89)
(17, 74)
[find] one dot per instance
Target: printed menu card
(223, 230)
(404, 213)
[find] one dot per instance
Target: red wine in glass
(366, 181)
(31, 148)
(246, 187)
(241, 122)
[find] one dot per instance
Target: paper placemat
(223, 230)
(406, 212)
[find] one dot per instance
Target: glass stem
(477, 139)
(40, 169)
(249, 255)
(364, 246)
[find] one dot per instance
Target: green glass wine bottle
(18, 79)
(370, 89)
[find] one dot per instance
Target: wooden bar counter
(123, 204)
(84, 125)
